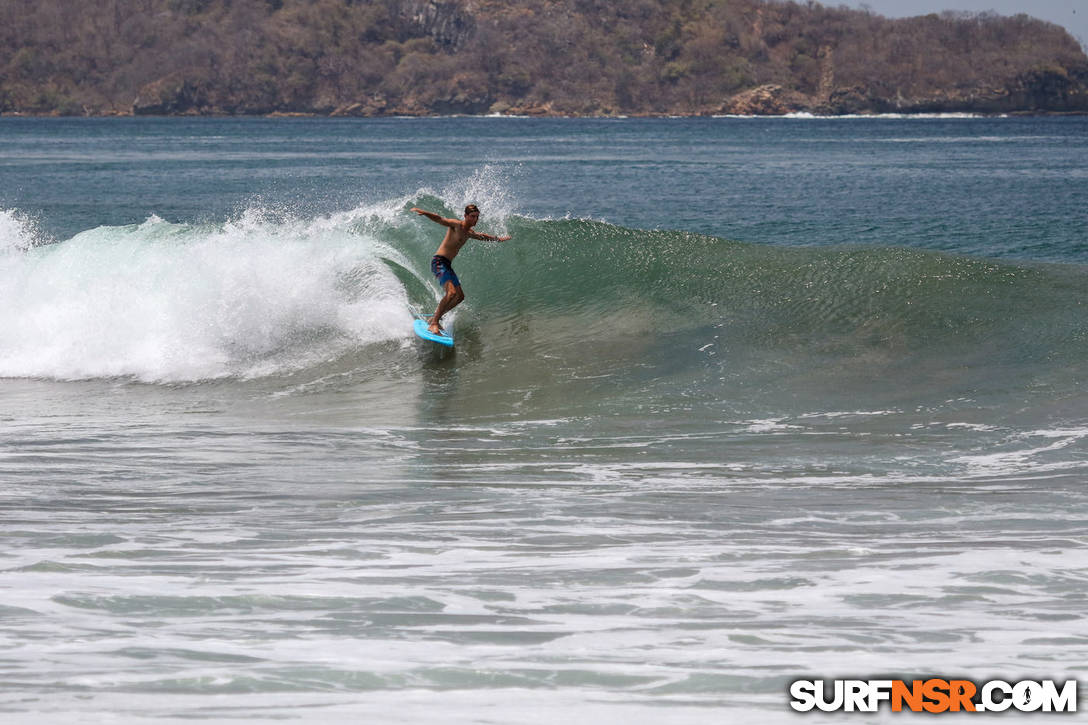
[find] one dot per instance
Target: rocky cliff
(542, 57)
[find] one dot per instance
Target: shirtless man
(459, 232)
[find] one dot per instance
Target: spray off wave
(175, 302)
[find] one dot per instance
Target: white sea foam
(171, 302)
(1026, 454)
(808, 115)
(771, 425)
(847, 414)
(17, 232)
(981, 427)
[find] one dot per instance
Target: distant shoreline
(553, 59)
(789, 116)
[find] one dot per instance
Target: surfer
(459, 231)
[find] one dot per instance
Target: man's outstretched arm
(488, 237)
(435, 217)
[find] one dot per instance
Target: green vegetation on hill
(377, 57)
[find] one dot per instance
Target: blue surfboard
(420, 327)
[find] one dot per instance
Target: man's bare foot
(434, 327)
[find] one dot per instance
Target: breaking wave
(267, 293)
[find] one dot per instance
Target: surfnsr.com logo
(934, 695)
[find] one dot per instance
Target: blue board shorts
(443, 269)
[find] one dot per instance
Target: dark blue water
(995, 187)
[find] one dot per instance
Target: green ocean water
(743, 401)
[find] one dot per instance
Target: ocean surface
(743, 401)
